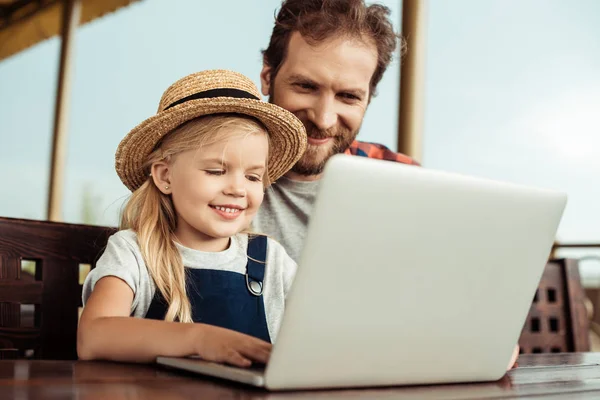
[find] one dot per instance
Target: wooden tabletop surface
(566, 375)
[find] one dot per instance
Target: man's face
(327, 87)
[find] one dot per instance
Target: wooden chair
(558, 320)
(42, 267)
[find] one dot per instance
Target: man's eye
(350, 96)
(305, 86)
(216, 172)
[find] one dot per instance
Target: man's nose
(323, 114)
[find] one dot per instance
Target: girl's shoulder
(272, 245)
(275, 250)
(125, 238)
(125, 234)
(280, 263)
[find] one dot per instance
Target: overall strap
(255, 269)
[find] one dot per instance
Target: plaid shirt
(378, 151)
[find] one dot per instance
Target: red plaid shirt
(378, 151)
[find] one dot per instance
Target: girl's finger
(236, 359)
(255, 353)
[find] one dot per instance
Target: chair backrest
(42, 267)
(558, 320)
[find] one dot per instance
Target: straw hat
(205, 93)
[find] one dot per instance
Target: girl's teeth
(227, 210)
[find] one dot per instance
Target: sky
(512, 92)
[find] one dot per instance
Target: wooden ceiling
(24, 23)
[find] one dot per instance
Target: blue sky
(512, 93)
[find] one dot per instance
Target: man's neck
(302, 178)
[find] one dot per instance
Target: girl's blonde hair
(151, 214)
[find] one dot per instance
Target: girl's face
(218, 189)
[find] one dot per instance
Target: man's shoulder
(378, 151)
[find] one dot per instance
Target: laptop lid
(411, 276)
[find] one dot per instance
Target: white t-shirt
(123, 259)
(285, 211)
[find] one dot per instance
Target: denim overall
(224, 298)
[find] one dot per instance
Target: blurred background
(510, 90)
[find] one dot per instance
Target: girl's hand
(513, 359)
(213, 343)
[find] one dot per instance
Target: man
(323, 63)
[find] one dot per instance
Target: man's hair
(319, 20)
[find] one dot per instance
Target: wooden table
(562, 375)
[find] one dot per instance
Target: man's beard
(314, 158)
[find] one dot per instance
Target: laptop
(408, 276)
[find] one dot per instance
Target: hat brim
(287, 135)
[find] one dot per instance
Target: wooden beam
(32, 21)
(412, 79)
(70, 20)
(577, 245)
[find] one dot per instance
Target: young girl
(181, 277)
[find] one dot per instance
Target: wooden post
(412, 76)
(70, 20)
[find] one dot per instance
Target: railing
(588, 256)
(557, 246)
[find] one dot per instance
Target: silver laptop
(408, 276)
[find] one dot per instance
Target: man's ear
(265, 79)
(161, 175)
